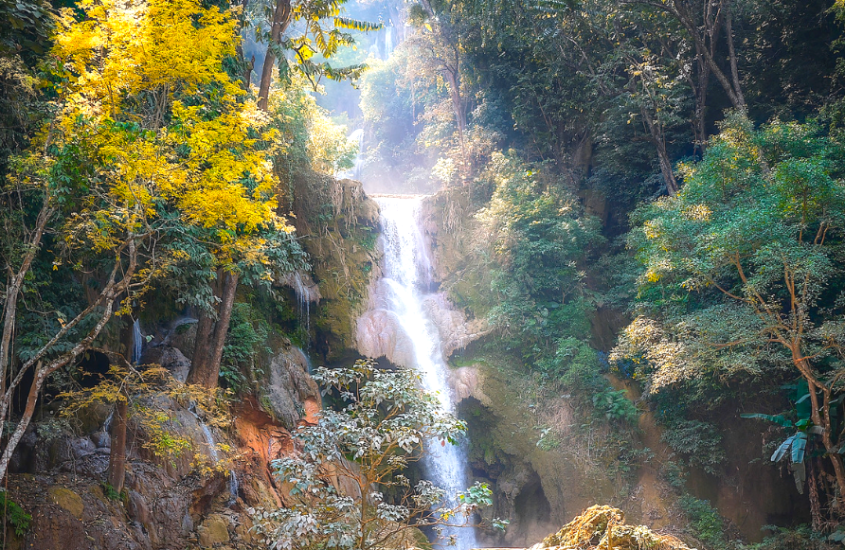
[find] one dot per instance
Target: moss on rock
(338, 227)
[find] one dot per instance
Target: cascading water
(304, 296)
(137, 342)
(406, 280)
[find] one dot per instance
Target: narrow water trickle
(137, 342)
(303, 293)
(407, 268)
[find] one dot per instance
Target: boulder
(603, 528)
(67, 499)
(290, 386)
(171, 358)
(213, 531)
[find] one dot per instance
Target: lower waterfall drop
(405, 281)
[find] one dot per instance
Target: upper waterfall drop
(401, 292)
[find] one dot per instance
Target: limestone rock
(67, 499)
(603, 528)
(468, 382)
(290, 386)
(101, 439)
(82, 447)
(303, 285)
(378, 333)
(456, 332)
(214, 530)
(171, 358)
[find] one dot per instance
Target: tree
(320, 33)
(151, 140)
(146, 396)
(440, 37)
(385, 425)
(743, 270)
(704, 20)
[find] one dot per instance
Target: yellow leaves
(123, 48)
(651, 230)
(127, 64)
(697, 212)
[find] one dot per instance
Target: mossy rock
(603, 528)
(67, 499)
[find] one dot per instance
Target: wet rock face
(378, 333)
(456, 332)
(289, 387)
(468, 382)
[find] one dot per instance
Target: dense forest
(374, 274)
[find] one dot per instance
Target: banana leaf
(777, 419)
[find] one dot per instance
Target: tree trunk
(820, 415)
(13, 289)
(281, 19)
(117, 456)
(732, 55)
(680, 12)
(815, 502)
(109, 294)
(208, 348)
(221, 329)
(659, 140)
(199, 360)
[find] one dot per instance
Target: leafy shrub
(15, 515)
(614, 406)
(247, 335)
(708, 525)
(699, 441)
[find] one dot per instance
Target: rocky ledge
(604, 528)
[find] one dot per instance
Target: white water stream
(407, 269)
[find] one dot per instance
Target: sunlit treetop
(143, 93)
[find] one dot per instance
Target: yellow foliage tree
(152, 142)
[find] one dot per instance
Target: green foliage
(708, 526)
(318, 38)
(794, 449)
(801, 537)
(542, 234)
(615, 406)
(246, 339)
(699, 442)
(385, 424)
(14, 514)
(548, 439)
(111, 493)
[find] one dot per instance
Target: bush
(15, 515)
(699, 441)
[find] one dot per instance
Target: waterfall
(137, 342)
(234, 486)
(305, 360)
(304, 296)
(209, 439)
(406, 280)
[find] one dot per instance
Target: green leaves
(777, 419)
(383, 424)
(356, 25)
